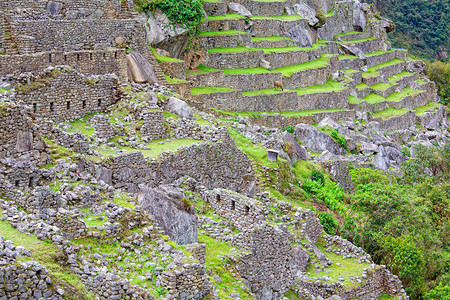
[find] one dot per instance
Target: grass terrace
(174, 80)
(161, 58)
(353, 100)
(346, 33)
(226, 17)
(279, 18)
(258, 114)
(270, 38)
(379, 52)
(399, 76)
(219, 33)
(385, 64)
(370, 38)
(431, 106)
(242, 49)
(361, 86)
(390, 112)
(210, 90)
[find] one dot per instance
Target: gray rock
(140, 70)
(395, 155)
(54, 8)
(315, 140)
(239, 9)
(265, 64)
(359, 19)
(293, 149)
(327, 121)
(180, 108)
(414, 85)
(306, 12)
(301, 36)
(381, 159)
(353, 50)
(167, 206)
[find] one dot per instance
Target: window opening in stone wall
(84, 104)
(35, 107)
(247, 210)
(115, 55)
(51, 106)
(104, 55)
(90, 56)
(49, 58)
(17, 182)
(65, 57)
(233, 204)
(78, 57)
(99, 102)
(68, 104)
(218, 198)
(30, 183)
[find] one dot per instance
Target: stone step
(379, 57)
(273, 26)
(230, 38)
(376, 73)
(367, 45)
(352, 36)
(303, 75)
(223, 23)
(272, 42)
(215, 8)
(327, 96)
(247, 58)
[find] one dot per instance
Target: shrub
(317, 176)
(289, 129)
(310, 186)
(186, 14)
(328, 222)
(338, 138)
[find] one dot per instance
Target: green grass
(370, 38)
(382, 86)
(49, 256)
(270, 38)
(156, 149)
(386, 297)
(300, 113)
(361, 86)
(429, 106)
(390, 112)
(210, 90)
(378, 52)
(374, 98)
(399, 76)
(385, 64)
(288, 71)
(420, 81)
(226, 17)
(220, 33)
(173, 80)
(243, 49)
(348, 267)
(353, 100)
(202, 69)
(279, 18)
(346, 33)
(82, 125)
(215, 250)
(200, 121)
(161, 58)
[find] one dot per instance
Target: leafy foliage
(423, 26)
(439, 72)
(184, 13)
(289, 129)
(329, 222)
(338, 138)
(317, 176)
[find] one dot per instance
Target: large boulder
(169, 208)
(315, 140)
(301, 36)
(306, 12)
(180, 108)
(381, 159)
(353, 50)
(293, 149)
(139, 69)
(327, 121)
(161, 34)
(387, 24)
(359, 18)
(236, 8)
(395, 154)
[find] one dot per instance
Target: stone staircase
(245, 56)
(9, 39)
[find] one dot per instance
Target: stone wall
(95, 62)
(62, 94)
(403, 121)
(75, 35)
(19, 138)
(153, 123)
(24, 279)
(244, 212)
(287, 101)
(75, 141)
(102, 127)
(339, 22)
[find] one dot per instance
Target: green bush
(289, 129)
(186, 14)
(338, 138)
(311, 186)
(328, 222)
(317, 176)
